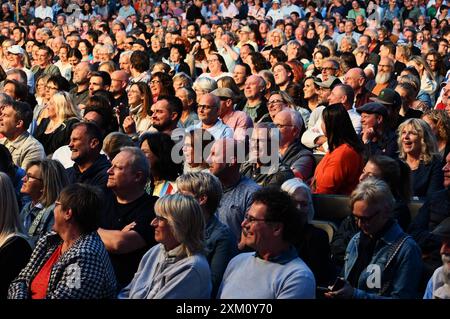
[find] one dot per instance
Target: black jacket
(95, 175)
(274, 178)
(301, 159)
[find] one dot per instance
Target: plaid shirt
(82, 272)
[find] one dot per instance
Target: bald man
(356, 78)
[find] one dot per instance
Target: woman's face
(73, 60)
(188, 150)
(309, 89)
(214, 64)
(204, 44)
(51, 109)
(432, 125)
(63, 54)
(163, 233)
(370, 170)
(175, 55)
(83, 48)
(155, 86)
(411, 142)
(318, 58)
(32, 183)
(148, 153)
(301, 199)
(50, 90)
(135, 96)
(275, 105)
(40, 88)
(276, 39)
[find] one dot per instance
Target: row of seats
(330, 210)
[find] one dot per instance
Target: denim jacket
(220, 247)
(405, 267)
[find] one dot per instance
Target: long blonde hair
(427, 139)
(65, 107)
(9, 210)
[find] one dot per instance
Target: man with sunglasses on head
(274, 270)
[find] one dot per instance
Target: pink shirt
(239, 121)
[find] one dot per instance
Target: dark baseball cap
(373, 108)
(140, 42)
(328, 84)
(388, 97)
(443, 229)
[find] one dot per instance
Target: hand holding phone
(338, 284)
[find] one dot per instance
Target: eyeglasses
(251, 219)
(155, 81)
(283, 125)
(364, 220)
(275, 102)
(206, 107)
(28, 176)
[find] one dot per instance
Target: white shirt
(229, 12)
(43, 13)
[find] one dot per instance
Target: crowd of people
(170, 149)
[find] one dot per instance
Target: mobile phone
(338, 284)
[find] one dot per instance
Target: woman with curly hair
(419, 149)
(161, 84)
(439, 122)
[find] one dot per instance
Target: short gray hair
(291, 185)
(375, 192)
(206, 84)
(202, 184)
(138, 161)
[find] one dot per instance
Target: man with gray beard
(384, 78)
(439, 284)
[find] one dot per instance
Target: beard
(382, 77)
(446, 268)
(163, 126)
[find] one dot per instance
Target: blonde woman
(419, 149)
(139, 101)
(40, 89)
(14, 248)
(428, 83)
(179, 229)
(42, 183)
(54, 131)
(439, 122)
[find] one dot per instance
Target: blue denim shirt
(220, 247)
(406, 267)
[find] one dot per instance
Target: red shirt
(39, 284)
(338, 172)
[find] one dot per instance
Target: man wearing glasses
(15, 118)
(208, 113)
(274, 270)
(381, 260)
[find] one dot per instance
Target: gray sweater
(168, 275)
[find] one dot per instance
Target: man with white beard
(439, 284)
(384, 78)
